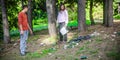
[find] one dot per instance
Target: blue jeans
(23, 39)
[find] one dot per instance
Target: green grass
(117, 16)
(42, 26)
(74, 23)
(82, 50)
(113, 54)
(88, 42)
(98, 40)
(42, 53)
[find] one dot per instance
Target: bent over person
(23, 28)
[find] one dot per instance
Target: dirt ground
(105, 46)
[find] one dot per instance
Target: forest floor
(104, 46)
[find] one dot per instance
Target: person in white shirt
(62, 20)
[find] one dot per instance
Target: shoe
(64, 42)
(22, 54)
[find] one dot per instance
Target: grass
(113, 54)
(33, 38)
(93, 49)
(42, 53)
(98, 40)
(43, 26)
(117, 16)
(82, 50)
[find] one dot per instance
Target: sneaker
(22, 54)
(64, 42)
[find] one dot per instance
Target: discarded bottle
(83, 57)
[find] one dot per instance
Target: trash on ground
(83, 57)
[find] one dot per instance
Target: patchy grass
(96, 48)
(113, 54)
(44, 52)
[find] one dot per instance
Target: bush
(117, 16)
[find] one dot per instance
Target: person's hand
(21, 32)
(31, 32)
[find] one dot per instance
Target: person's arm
(31, 32)
(20, 23)
(66, 17)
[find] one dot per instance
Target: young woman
(62, 20)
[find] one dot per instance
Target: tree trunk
(30, 13)
(50, 5)
(108, 13)
(22, 3)
(81, 15)
(91, 12)
(5, 23)
(104, 14)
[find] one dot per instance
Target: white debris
(15, 44)
(95, 34)
(77, 44)
(90, 40)
(65, 46)
(113, 35)
(113, 39)
(107, 36)
(102, 31)
(49, 53)
(115, 32)
(42, 44)
(73, 46)
(99, 56)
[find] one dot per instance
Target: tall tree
(50, 5)
(91, 12)
(22, 3)
(108, 13)
(30, 13)
(104, 11)
(5, 23)
(81, 15)
(1, 29)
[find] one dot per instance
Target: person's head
(25, 8)
(62, 7)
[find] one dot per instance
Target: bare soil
(105, 46)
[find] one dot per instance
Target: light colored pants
(23, 39)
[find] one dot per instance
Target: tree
(108, 13)
(91, 12)
(50, 5)
(1, 29)
(81, 15)
(30, 13)
(22, 3)
(5, 23)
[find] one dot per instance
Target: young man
(23, 28)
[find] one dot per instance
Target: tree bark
(91, 12)
(30, 13)
(50, 5)
(5, 23)
(108, 13)
(22, 3)
(104, 14)
(81, 15)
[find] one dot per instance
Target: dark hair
(25, 6)
(62, 5)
